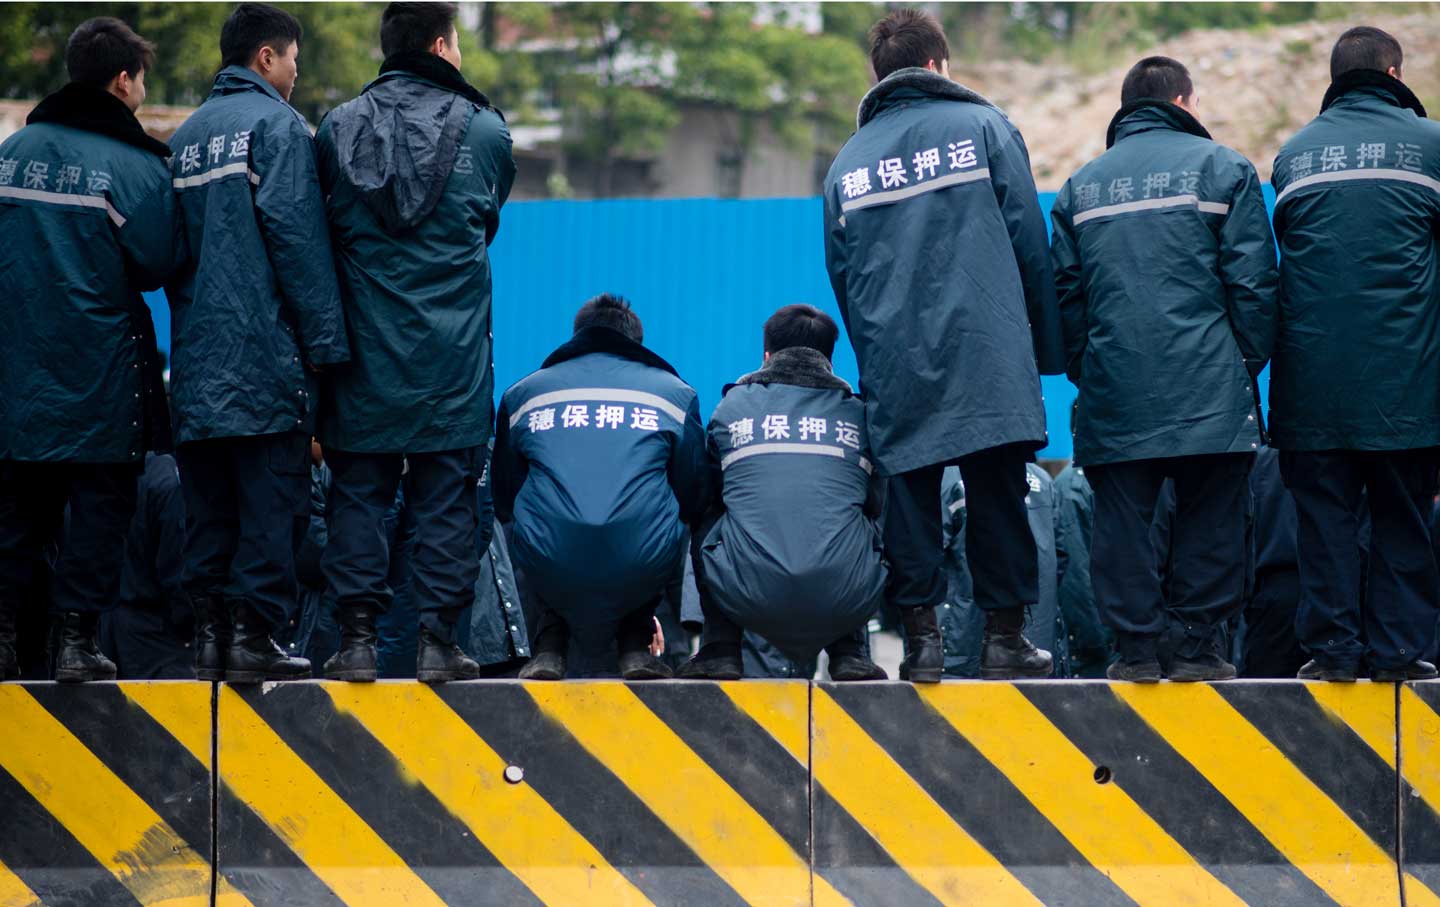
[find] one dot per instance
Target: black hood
(916, 79)
(606, 340)
(1372, 78)
(798, 366)
(1165, 111)
(92, 109)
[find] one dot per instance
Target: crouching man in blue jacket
(599, 467)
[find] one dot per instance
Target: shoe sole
(716, 677)
(646, 675)
(547, 677)
(433, 677)
(353, 676)
(83, 677)
(1382, 677)
(254, 677)
(211, 675)
(1007, 674)
(925, 676)
(1200, 678)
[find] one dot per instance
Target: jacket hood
(916, 79)
(1356, 79)
(799, 366)
(606, 340)
(1149, 113)
(397, 143)
(96, 110)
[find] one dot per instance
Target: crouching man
(792, 550)
(599, 466)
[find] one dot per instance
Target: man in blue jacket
(938, 257)
(415, 172)
(88, 220)
(1355, 389)
(254, 315)
(599, 467)
(1165, 267)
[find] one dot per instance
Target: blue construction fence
(702, 273)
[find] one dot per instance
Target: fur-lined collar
(1372, 78)
(919, 79)
(433, 69)
(605, 340)
(1162, 113)
(96, 110)
(798, 366)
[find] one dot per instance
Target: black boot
(253, 657)
(212, 637)
(80, 658)
(714, 661)
(1007, 654)
(639, 664)
(355, 661)
(1415, 670)
(924, 651)
(9, 660)
(439, 661)
(849, 661)
(1314, 670)
(544, 666)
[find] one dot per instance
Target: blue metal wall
(703, 274)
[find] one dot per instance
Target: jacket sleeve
(689, 467)
(498, 162)
(291, 211)
(508, 468)
(151, 237)
(1247, 266)
(1014, 187)
(1069, 287)
(835, 264)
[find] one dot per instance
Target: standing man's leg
(32, 496)
(440, 490)
(1400, 623)
(1326, 486)
(357, 555)
(1000, 550)
(1123, 566)
(1212, 498)
(212, 528)
(915, 545)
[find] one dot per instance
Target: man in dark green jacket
(254, 314)
(1165, 270)
(937, 254)
(86, 210)
(1355, 391)
(415, 172)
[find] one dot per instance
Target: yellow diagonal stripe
(1016, 737)
(712, 819)
(105, 816)
(335, 843)
(1420, 766)
(14, 892)
(902, 818)
(1274, 796)
(1366, 708)
(524, 832)
(781, 707)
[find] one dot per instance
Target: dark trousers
(1208, 549)
(243, 498)
(998, 543)
(1399, 624)
(148, 644)
(1270, 647)
(91, 542)
(440, 495)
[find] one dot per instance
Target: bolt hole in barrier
(1102, 774)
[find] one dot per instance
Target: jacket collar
(1147, 114)
(605, 340)
(799, 366)
(96, 110)
(1377, 84)
(233, 79)
(914, 79)
(432, 69)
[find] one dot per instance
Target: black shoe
(639, 664)
(1314, 670)
(544, 666)
(924, 652)
(355, 661)
(212, 637)
(9, 660)
(1208, 667)
(253, 657)
(1134, 671)
(439, 661)
(80, 659)
(850, 667)
(717, 661)
(1415, 670)
(1007, 654)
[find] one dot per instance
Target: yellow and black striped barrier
(589, 794)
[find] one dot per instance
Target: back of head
(253, 26)
(906, 37)
(613, 312)
(1365, 47)
(801, 325)
(100, 49)
(415, 26)
(1156, 79)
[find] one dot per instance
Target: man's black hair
(100, 49)
(415, 26)
(253, 26)
(906, 37)
(1156, 79)
(1365, 47)
(801, 325)
(613, 312)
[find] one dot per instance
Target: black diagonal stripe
(580, 788)
(259, 864)
(46, 857)
(432, 841)
(1420, 819)
(1174, 794)
(860, 869)
(977, 795)
(1326, 750)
